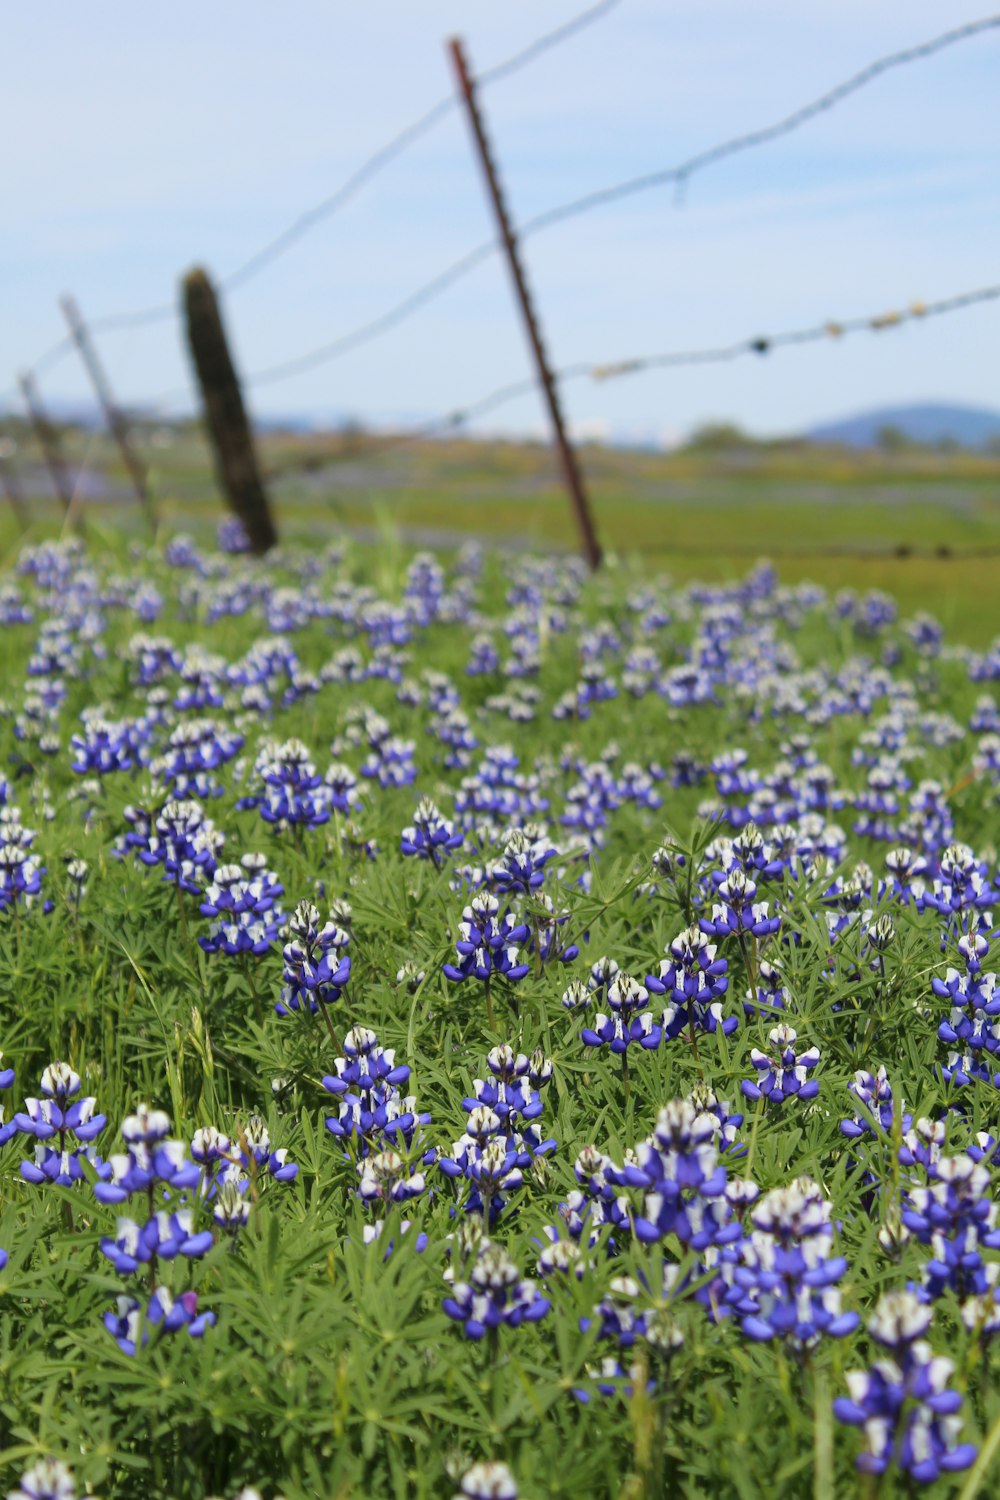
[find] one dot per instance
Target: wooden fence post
(225, 414)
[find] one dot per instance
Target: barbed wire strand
(380, 159)
(764, 343)
(437, 285)
(430, 290)
(759, 345)
(399, 143)
(683, 171)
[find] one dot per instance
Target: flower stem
(258, 1008)
(325, 1013)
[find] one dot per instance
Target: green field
(921, 524)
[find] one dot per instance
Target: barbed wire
(765, 343)
(430, 290)
(399, 143)
(759, 345)
(681, 174)
(161, 312)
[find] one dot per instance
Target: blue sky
(142, 139)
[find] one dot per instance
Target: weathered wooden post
(225, 415)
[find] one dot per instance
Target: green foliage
(332, 1370)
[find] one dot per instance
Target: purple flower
(494, 1295)
(784, 1073)
(316, 968)
(784, 1278)
(242, 897)
(695, 980)
(628, 1022)
(488, 943)
(903, 1404)
(430, 836)
(69, 1127)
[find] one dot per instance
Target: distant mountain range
(928, 422)
(931, 422)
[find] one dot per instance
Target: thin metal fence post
(117, 425)
(572, 475)
(48, 440)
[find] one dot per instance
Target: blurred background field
(794, 236)
(922, 523)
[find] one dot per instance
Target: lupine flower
(373, 1113)
(77, 871)
(596, 1202)
(784, 1281)
(521, 866)
(874, 1093)
(489, 1159)
(544, 938)
(628, 1022)
(185, 843)
(231, 535)
(782, 1074)
(49, 1479)
(391, 763)
(6, 1082)
(771, 993)
(130, 1329)
(903, 1404)
(150, 1158)
(103, 745)
(683, 1181)
(227, 1163)
(54, 1119)
(430, 836)
(196, 749)
(151, 1163)
(494, 1295)
(20, 870)
(386, 1178)
(488, 943)
(738, 912)
(242, 898)
(603, 972)
(696, 981)
(954, 1214)
(973, 1025)
(316, 967)
(881, 934)
(576, 995)
(161, 1237)
(294, 794)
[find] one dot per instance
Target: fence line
(679, 174)
(437, 285)
(759, 345)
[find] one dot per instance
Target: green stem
(258, 1008)
(325, 1013)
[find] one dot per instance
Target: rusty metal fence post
(572, 476)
